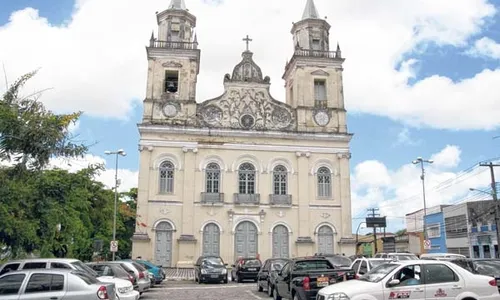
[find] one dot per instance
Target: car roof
(68, 260)
(45, 271)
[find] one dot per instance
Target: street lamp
(421, 161)
(117, 153)
(494, 195)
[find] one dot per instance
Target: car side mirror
(393, 282)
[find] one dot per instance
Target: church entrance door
(211, 240)
(325, 240)
(281, 247)
(163, 254)
(245, 240)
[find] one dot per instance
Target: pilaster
(345, 194)
(303, 194)
(189, 190)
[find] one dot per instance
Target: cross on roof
(247, 40)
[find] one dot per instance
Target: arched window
(324, 182)
(246, 179)
(167, 177)
(212, 178)
(280, 180)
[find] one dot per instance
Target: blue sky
(392, 124)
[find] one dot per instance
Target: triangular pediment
(320, 73)
(250, 108)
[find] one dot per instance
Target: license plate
(214, 276)
(322, 281)
(252, 269)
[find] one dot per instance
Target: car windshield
(86, 277)
(378, 273)
(376, 263)
(84, 268)
(339, 261)
(405, 256)
(251, 263)
(490, 268)
(213, 262)
(277, 264)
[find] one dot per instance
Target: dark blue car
(157, 271)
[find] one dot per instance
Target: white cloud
(398, 192)
(404, 138)
(449, 157)
(485, 47)
(96, 62)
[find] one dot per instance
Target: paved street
(184, 290)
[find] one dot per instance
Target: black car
(210, 269)
(263, 277)
(246, 268)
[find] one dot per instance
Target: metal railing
(280, 199)
(316, 53)
(210, 198)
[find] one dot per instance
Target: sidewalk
(179, 274)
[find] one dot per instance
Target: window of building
(434, 230)
(456, 226)
(316, 44)
(320, 92)
(171, 81)
(280, 180)
(324, 182)
(167, 177)
(246, 176)
(212, 177)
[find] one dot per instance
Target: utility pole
(373, 214)
(495, 198)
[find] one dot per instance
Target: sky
(420, 79)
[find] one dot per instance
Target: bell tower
(173, 64)
(313, 77)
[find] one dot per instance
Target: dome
(247, 70)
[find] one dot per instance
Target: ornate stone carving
(320, 73)
(171, 64)
(170, 109)
(344, 155)
(325, 215)
(247, 70)
(248, 108)
(280, 214)
(164, 211)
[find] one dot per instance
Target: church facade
(242, 174)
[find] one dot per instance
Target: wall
(457, 241)
(438, 244)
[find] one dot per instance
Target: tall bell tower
(314, 76)
(173, 65)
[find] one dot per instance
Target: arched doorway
(245, 240)
(325, 240)
(281, 248)
(163, 254)
(211, 239)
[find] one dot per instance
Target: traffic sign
(427, 244)
(113, 246)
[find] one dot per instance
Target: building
(415, 225)
(482, 229)
(436, 233)
(456, 229)
(242, 174)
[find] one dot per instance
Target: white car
(414, 279)
(124, 288)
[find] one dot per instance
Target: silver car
(54, 284)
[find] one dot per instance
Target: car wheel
(259, 287)
(225, 280)
(238, 279)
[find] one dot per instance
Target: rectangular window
(434, 230)
(171, 81)
(320, 92)
(316, 44)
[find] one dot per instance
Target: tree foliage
(52, 212)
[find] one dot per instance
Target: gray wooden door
(281, 247)
(325, 240)
(211, 240)
(245, 240)
(163, 254)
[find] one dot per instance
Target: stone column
(303, 193)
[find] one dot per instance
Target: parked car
(263, 277)
(482, 266)
(210, 268)
(397, 255)
(111, 269)
(415, 279)
(129, 269)
(245, 268)
(441, 256)
(303, 277)
(46, 263)
(157, 271)
(363, 265)
(54, 284)
(139, 272)
(124, 288)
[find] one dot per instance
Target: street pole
(495, 199)
(421, 161)
(122, 153)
